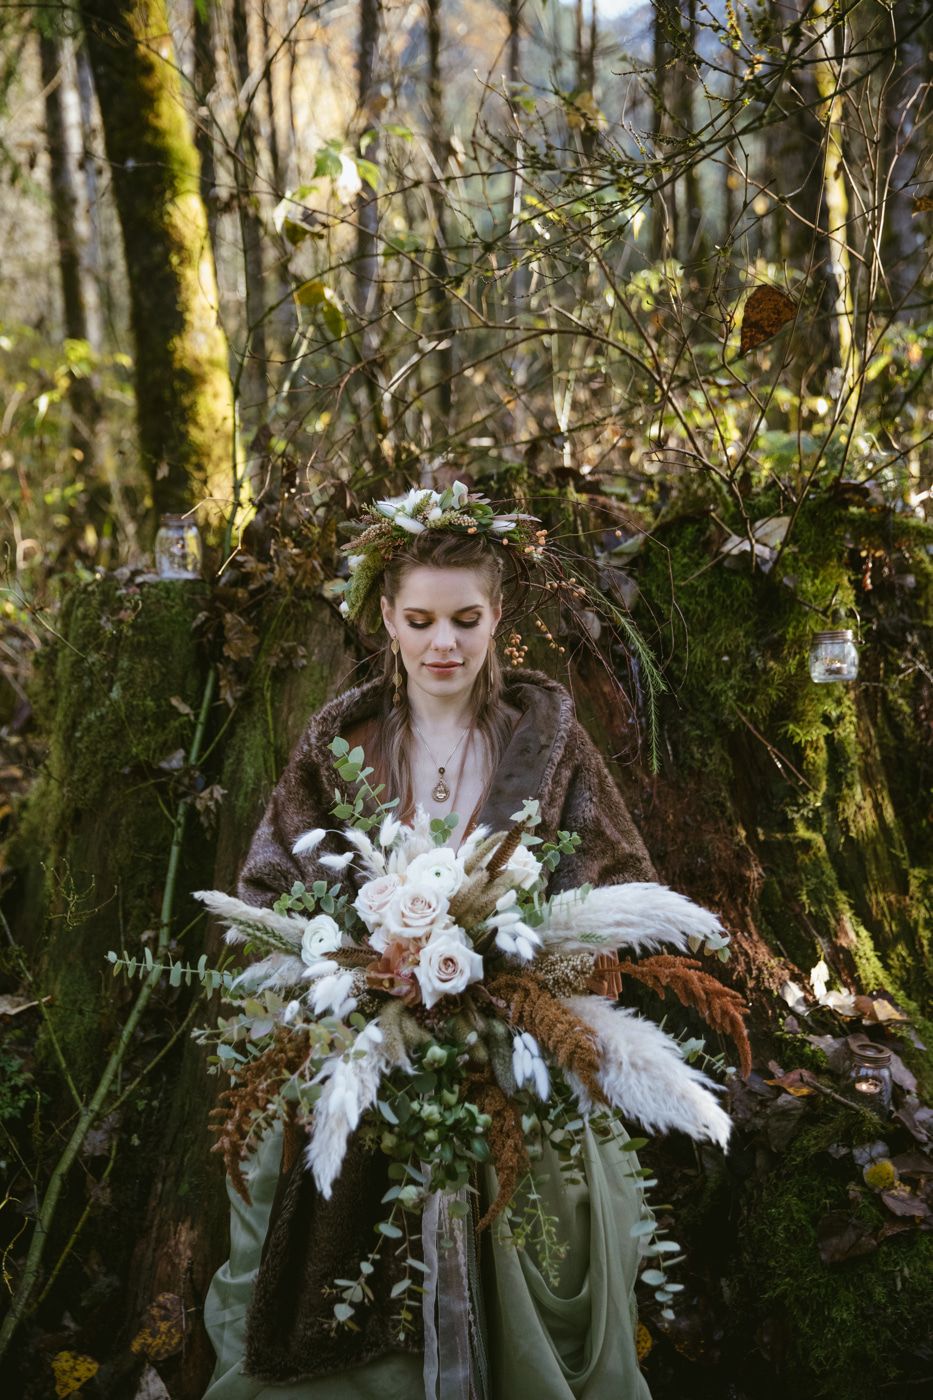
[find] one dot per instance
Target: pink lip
(443, 665)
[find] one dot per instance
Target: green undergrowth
(841, 1330)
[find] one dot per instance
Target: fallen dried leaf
(163, 1329)
(900, 1200)
(796, 1081)
(841, 1237)
(71, 1370)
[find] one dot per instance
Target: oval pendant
(440, 791)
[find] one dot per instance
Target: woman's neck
(439, 715)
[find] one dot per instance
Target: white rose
(414, 910)
(321, 936)
(524, 866)
(447, 965)
(374, 898)
(440, 870)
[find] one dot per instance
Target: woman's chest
(457, 785)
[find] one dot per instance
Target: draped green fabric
(575, 1342)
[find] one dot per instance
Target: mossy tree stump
(117, 695)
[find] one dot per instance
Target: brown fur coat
(310, 1242)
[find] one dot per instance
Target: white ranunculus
(415, 910)
(354, 561)
(321, 936)
(372, 902)
(440, 869)
(447, 965)
(524, 866)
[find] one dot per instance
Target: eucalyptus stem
(92, 1110)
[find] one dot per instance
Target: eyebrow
(471, 607)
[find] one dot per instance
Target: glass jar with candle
(870, 1080)
(178, 548)
(833, 656)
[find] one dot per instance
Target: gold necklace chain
(441, 789)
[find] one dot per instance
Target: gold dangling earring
(396, 675)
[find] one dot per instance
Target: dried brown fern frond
(506, 1141)
(722, 1007)
(569, 1043)
(257, 1083)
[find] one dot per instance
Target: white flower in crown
(441, 870)
(524, 866)
(414, 527)
(321, 936)
(447, 965)
(415, 911)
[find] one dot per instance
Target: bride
(450, 730)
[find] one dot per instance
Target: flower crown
(386, 527)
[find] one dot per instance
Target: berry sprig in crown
(387, 526)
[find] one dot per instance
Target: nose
(445, 638)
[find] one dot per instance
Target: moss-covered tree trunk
(117, 696)
(184, 398)
(182, 1236)
(800, 812)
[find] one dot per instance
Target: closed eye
(459, 622)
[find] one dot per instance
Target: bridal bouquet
(449, 1010)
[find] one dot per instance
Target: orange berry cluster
(548, 636)
(515, 649)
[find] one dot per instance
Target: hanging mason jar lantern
(178, 548)
(870, 1080)
(833, 656)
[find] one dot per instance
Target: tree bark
(442, 362)
(71, 236)
(97, 274)
(663, 223)
(205, 82)
(183, 397)
(245, 169)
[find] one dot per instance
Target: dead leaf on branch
(767, 310)
(240, 639)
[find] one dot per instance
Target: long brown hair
(440, 549)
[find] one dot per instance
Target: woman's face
(444, 621)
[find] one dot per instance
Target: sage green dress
(575, 1342)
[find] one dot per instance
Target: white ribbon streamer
(447, 1367)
